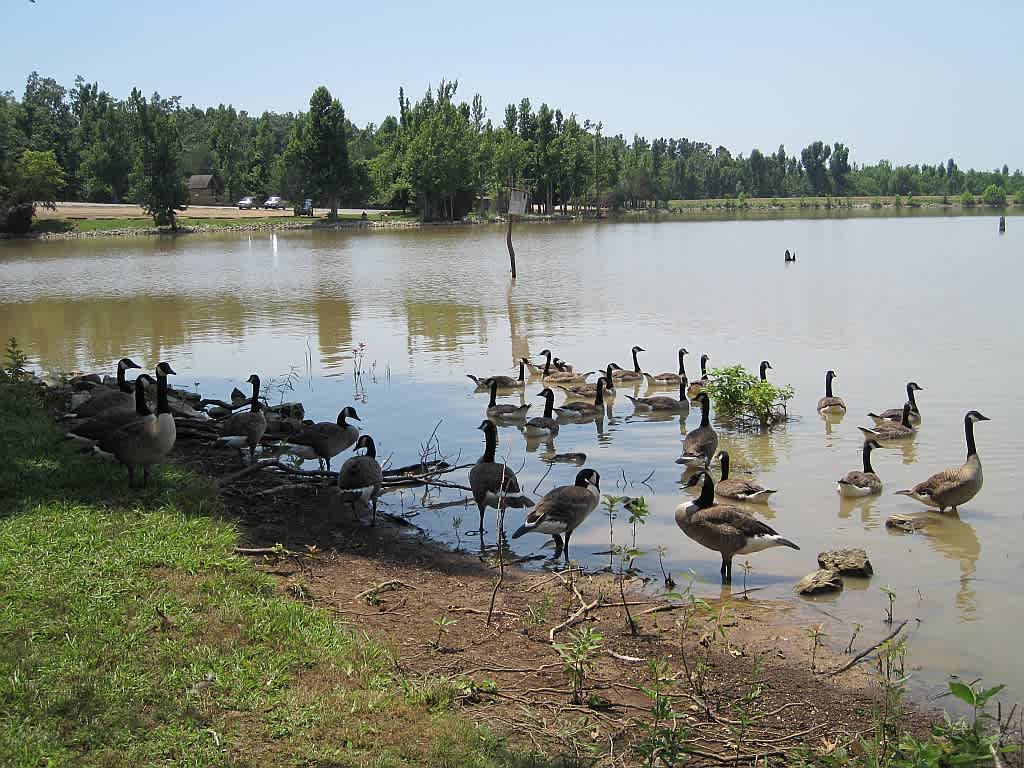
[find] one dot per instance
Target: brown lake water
(880, 300)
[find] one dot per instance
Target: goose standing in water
(891, 430)
(104, 397)
(739, 490)
(325, 439)
(493, 483)
(896, 414)
(505, 411)
(636, 374)
(503, 382)
(725, 529)
(668, 379)
(696, 387)
(578, 410)
(360, 478)
(562, 510)
(663, 403)
(700, 444)
(546, 425)
(955, 486)
(864, 483)
(830, 404)
(144, 441)
(241, 430)
(586, 392)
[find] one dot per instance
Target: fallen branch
(587, 607)
(852, 662)
(384, 586)
(629, 659)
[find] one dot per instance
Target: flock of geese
(115, 420)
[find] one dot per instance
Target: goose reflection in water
(957, 540)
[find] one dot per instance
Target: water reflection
(958, 541)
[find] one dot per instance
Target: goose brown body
(953, 487)
(891, 430)
(865, 482)
(505, 411)
(563, 509)
(830, 403)
(896, 414)
(94, 429)
(636, 374)
(669, 378)
(700, 444)
(494, 485)
(360, 478)
(245, 430)
(104, 398)
(663, 403)
(738, 488)
(326, 439)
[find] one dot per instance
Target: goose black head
(364, 441)
(615, 366)
(253, 379)
(350, 413)
(705, 357)
(546, 392)
(487, 425)
(830, 374)
(144, 380)
(915, 387)
(126, 362)
(587, 477)
(871, 444)
(766, 364)
(683, 351)
(976, 416)
(546, 352)
(638, 349)
(164, 369)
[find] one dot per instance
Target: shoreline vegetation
(64, 224)
(224, 617)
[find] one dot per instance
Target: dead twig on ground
(852, 662)
(384, 586)
(575, 618)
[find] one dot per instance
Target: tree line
(440, 156)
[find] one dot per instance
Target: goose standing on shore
(668, 379)
(562, 510)
(696, 387)
(700, 445)
(546, 425)
(830, 404)
(864, 483)
(144, 441)
(503, 382)
(325, 439)
(242, 430)
(505, 411)
(663, 403)
(891, 430)
(494, 485)
(737, 489)
(896, 414)
(103, 397)
(725, 529)
(636, 374)
(90, 431)
(957, 485)
(360, 478)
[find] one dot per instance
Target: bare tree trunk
(511, 250)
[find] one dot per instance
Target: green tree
(107, 157)
(35, 180)
(323, 150)
(967, 199)
(158, 179)
(993, 195)
(839, 169)
(814, 156)
(227, 148)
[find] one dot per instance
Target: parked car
(274, 202)
(247, 204)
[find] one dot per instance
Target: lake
(880, 300)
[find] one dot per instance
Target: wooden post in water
(1002, 224)
(508, 242)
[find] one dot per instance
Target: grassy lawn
(130, 634)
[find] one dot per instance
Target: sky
(910, 82)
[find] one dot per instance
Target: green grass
(130, 634)
(790, 203)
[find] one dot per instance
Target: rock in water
(819, 582)
(904, 523)
(849, 562)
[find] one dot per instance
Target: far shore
(70, 221)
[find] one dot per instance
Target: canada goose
(790, 257)
(866, 483)
(360, 478)
(663, 402)
(586, 392)
(668, 379)
(91, 430)
(237, 396)
(636, 374)
(246, 428)
(957, 485)
(533, 368)
(503, 382)
(896, 414)
(563, 366)
(740, 490)
(696, 387)
(578, 410)
(546, 425)
(765, 365)
(146, 440)
(556, 376)
(325, 439)
(505, 411)
(725, 529)
(493, 483)
(891, 430)
(829, 403)
(700, 444)
(104, 397)
(562, 510)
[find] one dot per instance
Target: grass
(130, 634)
(791, 203)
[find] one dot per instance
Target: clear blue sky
(911, 82)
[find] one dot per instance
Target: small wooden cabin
(205, 189)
